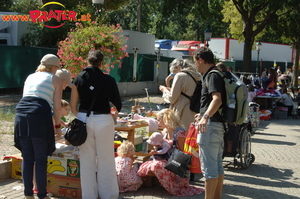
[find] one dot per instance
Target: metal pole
(157, 64)
(134, 64)
(257, 62)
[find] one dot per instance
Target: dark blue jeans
(34, 151)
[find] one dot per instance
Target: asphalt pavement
(275, 173)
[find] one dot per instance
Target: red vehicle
(186, 47)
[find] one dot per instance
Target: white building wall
(15, 29)
(236, 50)
(268, 52)
(143, 41)
(218, 47)
(274, 52)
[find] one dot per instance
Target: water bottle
(232, 102)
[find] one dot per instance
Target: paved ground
(274, 174)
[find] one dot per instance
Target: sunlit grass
(7, 113)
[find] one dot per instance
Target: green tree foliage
(289, 29)
(107, 5)
(169, 19)
(42, 36)
(5, 5)
(255, 15)
(24, 6)
(172, 19)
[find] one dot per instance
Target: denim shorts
(211, 150)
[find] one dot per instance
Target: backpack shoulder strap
(215, 71)
(185, 95)
(182, 93)
(190, 76)
(223, 77)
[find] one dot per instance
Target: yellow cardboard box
(63, 166)
(56, 165)
(16, 165)
(63, 186)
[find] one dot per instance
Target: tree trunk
(249, 36)
(247, 61)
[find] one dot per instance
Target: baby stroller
(237, 141)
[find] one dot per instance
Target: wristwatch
(206, 116)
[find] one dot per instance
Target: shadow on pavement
(261, 181)
(262, 141)
(239, 191)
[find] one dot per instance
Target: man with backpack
(210, 123)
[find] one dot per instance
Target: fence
(17, 62)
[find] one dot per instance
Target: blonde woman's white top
(39, 85)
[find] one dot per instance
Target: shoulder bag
(179, 162)
(76, 132)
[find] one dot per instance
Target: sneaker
(29, 197)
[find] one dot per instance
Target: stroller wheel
(245, 148)
(252, 158)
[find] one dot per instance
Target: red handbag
(191, 147)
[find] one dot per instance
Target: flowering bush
(74, 49)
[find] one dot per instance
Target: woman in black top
(97, 153)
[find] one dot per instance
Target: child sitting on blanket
(128, 179)
(161, 146)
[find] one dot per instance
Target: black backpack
(195, 99)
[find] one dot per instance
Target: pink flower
(74, 49)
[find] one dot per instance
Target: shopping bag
(76, 133)
(191, 147)
(179, 163)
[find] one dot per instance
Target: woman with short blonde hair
(34, 129)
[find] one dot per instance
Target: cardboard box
(16, 165)
(73, 168)
(74, 155)
(57, 166)
(63, 166)
(63, 186)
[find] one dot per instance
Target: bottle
(232, 102)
